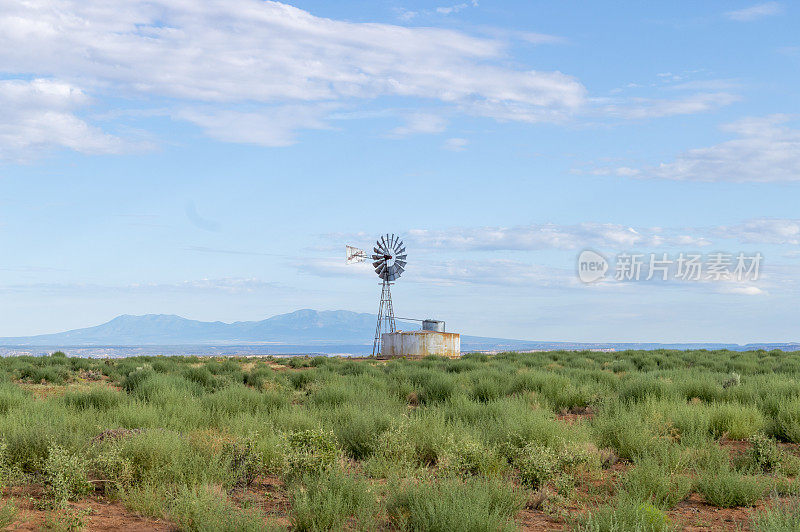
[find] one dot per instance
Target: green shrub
(626, 515)
(781, 518)
(65, 476)
(46, 374)
(357, 429)
(99, 398)
(434, 387)
(206, 509)
(244, 461)
(133, 379)
(537, 465)
(486, 389)
(308, 453)
(764, 454)
(237, 398)
(11, 396)
(8, 513)
(736, 421)
(331, 500)
(727, 489)
(113, 469)
(202, 376)
(164, 457)
(787, 420)
(651, 482)
(466, 456)
(624, 431)
(639, 389)
(447, 505)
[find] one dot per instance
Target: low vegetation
(574, 440)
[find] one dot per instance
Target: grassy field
(658, 440)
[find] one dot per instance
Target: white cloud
(766, 150)
(642, 108)
(420, 123)
(268, 126)
(763, 231)
(405, 14)
(455, 144)
(455, 272)
(40, 114)
(249, 50)
(254, 71)
(447, 10)
(217, 56)
(755, 12)
(499, 272)
(745, 290)
(550, 236)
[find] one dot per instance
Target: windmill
(389, 261)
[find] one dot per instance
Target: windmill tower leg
(386, 321)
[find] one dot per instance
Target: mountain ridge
(301, 327)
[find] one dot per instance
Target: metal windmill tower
(389, 261)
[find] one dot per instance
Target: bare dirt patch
(97, 513)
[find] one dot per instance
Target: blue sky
(211, 159)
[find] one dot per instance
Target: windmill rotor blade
(400, 269)
(401, 263)
(401, 250)
(401, 257)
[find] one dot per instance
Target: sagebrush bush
(736, 421)
(624, 431)
(764, 454)
(650, 481)
(536, 464)
(447, 505)
(308, 453)
(97, 397)
(728, 489)
(780, 518)
(626, 515)
(787, 420)
(11, 396)
(65, 475)
(331, 500)
(206, 509)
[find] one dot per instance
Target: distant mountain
(329, 331)
(303, 327)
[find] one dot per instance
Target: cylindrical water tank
(433, 325)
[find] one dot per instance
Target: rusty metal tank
(433, 325)
(417, 344)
